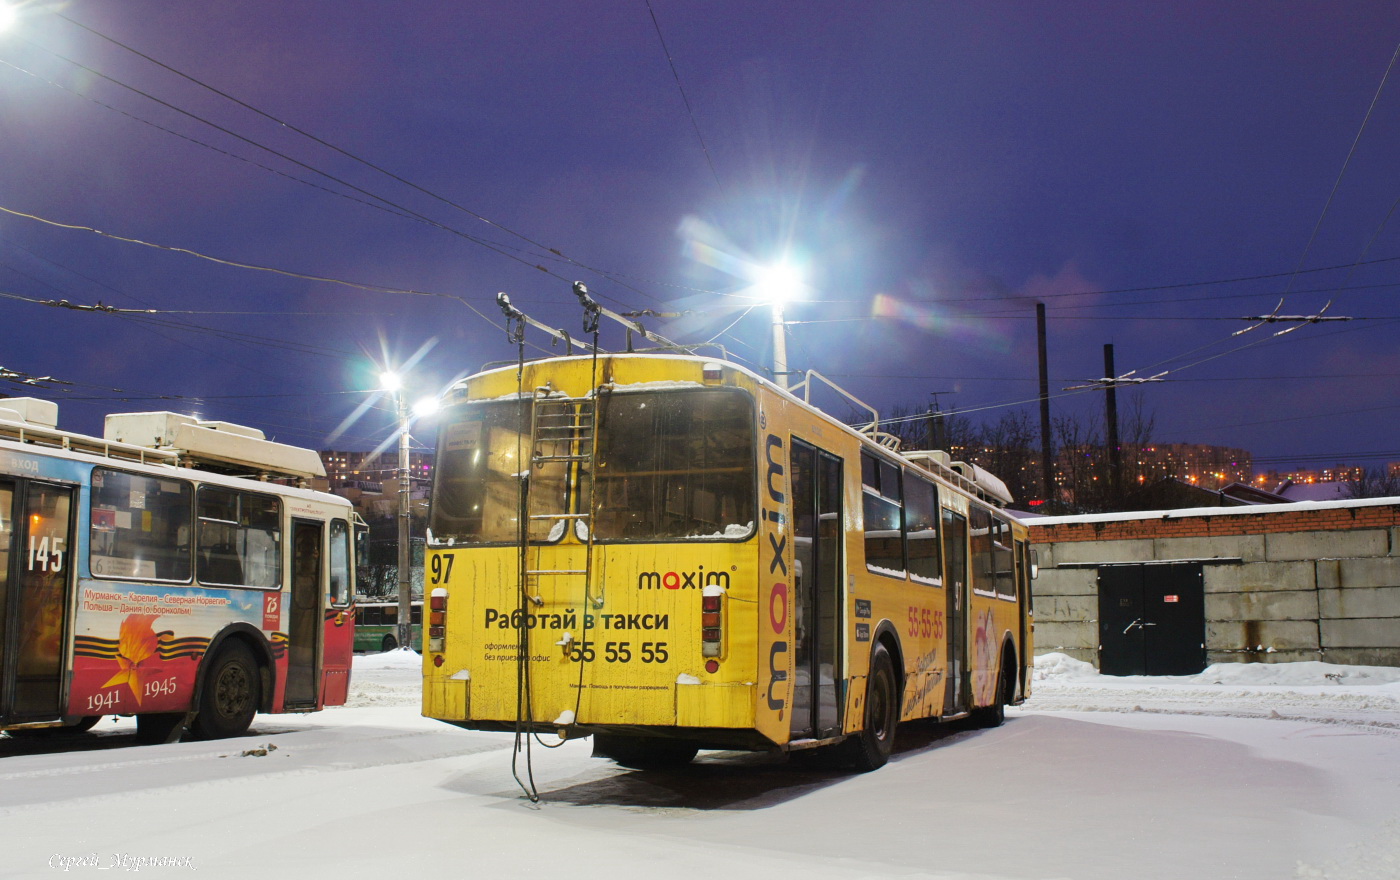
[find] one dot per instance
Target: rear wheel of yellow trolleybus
(870, 749)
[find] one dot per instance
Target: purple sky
(936, 168)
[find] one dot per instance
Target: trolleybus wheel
(642, 752)
(870, 749)
(389, 644)
(230, 695)
(995, 714)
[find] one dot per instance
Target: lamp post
(777, 284)
(392, 383)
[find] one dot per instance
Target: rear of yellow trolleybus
(670, 553)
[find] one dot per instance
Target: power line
(688, 109)
(474, 239)
(347, 154)
(1375, 99)
(208, 146)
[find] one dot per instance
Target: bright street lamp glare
(390, 381)
(778, 283)
(9, 16)
(425, 407)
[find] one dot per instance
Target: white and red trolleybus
(174, 569)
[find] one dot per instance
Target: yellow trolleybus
(671, 553)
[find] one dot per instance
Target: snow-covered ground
(1244, 771)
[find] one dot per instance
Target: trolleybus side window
(884, 515)
(921, 516)
(675, 464)
(1003, 565)
(981, 557)
(341, 584)
(140, 527)
(240, 537)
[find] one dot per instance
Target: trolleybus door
(1024, 611)
(35, 545)
(955, 585)
(817, 594)
(304, 624)
(338, 646)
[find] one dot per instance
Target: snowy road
(1291, 774)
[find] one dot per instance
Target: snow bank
(1056, 667)
(1062, 667)
(402, 658)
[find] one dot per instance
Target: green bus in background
(377, 626)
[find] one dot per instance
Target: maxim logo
(682, 580)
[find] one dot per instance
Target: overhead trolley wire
(690, 111)
(423, 217)
(1375, 99)
(211, 147)
(349, 155)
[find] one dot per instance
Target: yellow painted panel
(445, 698)
(715, 705)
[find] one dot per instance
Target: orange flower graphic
(136, 644)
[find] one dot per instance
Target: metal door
(35, 541)
(817, 593)
(1152, 619)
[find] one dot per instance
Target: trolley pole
(405, 519)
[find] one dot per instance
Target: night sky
(1151, 172)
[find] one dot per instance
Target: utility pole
(936, 428)
(1115, 455)
(1047, 464)
(405, 520)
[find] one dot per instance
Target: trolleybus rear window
(675, 464)
(482, 454)
(671, 464)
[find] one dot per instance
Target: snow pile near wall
(1309, 673)
(1056, 668)
(1062, 667)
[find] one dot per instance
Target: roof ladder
(561, 432)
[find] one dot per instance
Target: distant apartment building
(371, 481)
(1338, 474)
(1208, 467)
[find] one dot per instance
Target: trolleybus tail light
(437, 621)
(712, 622)
(712, 373)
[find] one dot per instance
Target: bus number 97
(442, 571)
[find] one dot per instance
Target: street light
(9, 16)
(776, 284)
(392, 383)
